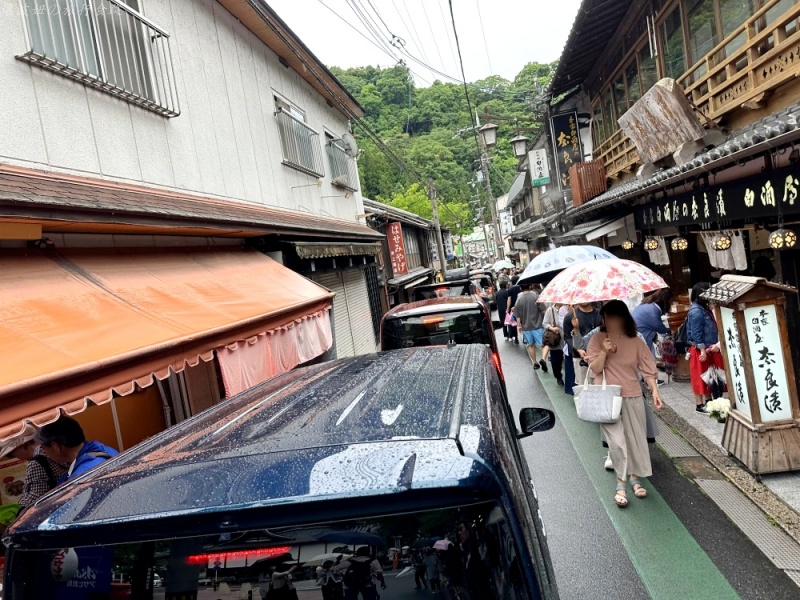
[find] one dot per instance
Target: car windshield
(485, 282)
(462, 552)
(436, 329)
(442, 291)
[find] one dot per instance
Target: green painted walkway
(665, 555)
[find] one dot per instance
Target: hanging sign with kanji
(397, 249)
(566, 144)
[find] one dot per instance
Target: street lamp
(519, 145)
(489, 134)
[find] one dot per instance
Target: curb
(784, 516)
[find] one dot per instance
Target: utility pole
(498, 240)
(438, 228)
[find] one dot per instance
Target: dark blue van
(405, 460)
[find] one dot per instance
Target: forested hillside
(429, 128)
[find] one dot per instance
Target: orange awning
(80, 325)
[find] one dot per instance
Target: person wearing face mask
(621, 355)
(64, 443)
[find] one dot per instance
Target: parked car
(440, 321)
(488, 284)
(415, 444)
(157, 583)
(445, 289)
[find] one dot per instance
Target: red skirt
(698, 367)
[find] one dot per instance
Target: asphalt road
(674, 544)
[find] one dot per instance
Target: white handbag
(598, 403)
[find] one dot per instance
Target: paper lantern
(651, 244)
(627, 244)
(723, 242)
(679, 243)
(782, 239)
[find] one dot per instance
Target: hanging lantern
(679, 243)
(489, 134)
(723, 242)
(651, 244)
(782, 239)
(520, 146)
(627, 244)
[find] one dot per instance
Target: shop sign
(769, 368)
(540, 170)
(749, 198)
(566, 144)
(397, 249)
(738, 372)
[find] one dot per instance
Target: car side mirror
(534, 420)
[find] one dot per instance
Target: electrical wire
(483, 32)
(412, 31)
(430, 28)
(447, 33)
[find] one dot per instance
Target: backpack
(681, 342)
(358, 574)
(52, 481)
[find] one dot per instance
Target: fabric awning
(310, 250)
(411, 276)
(79, 326)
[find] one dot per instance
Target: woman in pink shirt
(623, 355)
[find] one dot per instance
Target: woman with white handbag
(618, 355)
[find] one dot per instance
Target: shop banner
(566, 144)
(397, 249)
(540, 170)
(753, 197)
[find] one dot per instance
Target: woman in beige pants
(622, 355)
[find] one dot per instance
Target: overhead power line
(433, 36)
(447, 33)
(413, 31)
(483, 32)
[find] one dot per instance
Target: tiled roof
(774, 130)
(48, 196)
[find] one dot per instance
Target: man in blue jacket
(64, 442)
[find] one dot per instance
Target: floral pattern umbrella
(553, 261)
(601, 280)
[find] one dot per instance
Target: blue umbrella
(353, 537)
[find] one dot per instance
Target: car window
(436, 329)
(461, 552)
(442, 291)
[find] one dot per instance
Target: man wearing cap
(42, 474)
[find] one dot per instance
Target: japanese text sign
(566, 144)
(540, 170)
(397, 249)
(769, 368)
(737, 371)
(749, 198)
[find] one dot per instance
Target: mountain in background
(430, 129)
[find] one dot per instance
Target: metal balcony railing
(300, 144)
(343, 168)
(104, 44)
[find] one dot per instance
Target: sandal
(620, 497)
(638, 489)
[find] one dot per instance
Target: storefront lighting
(651, 244)
(723, 242)
(680, 243)
(520, 146)
(627, 244)
(782, 239)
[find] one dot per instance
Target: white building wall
(225, 142)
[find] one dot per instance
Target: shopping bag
(598, 403)
(509, 318)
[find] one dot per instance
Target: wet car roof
(369, 425)
(424, 307)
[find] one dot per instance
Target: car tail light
(496, 361)
(432, 320)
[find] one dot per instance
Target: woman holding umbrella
(620, 354)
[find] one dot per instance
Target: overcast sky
(517, 32)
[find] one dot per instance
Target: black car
(445, 289)
(412, 448)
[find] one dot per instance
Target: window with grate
(300, 143)
(105, 44)
(342, 165)
(374, 292)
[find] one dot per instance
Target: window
(106, 44)
(632, 80)
(300, 144)
(608, 113)
(702, 30)
(343, 168)
(375, 306)
(648, 70)
(413, 253)
(620, 100)
(598, 124)
(673, 50)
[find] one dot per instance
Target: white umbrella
(502, 264)
(553, 261)
(321, 559)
